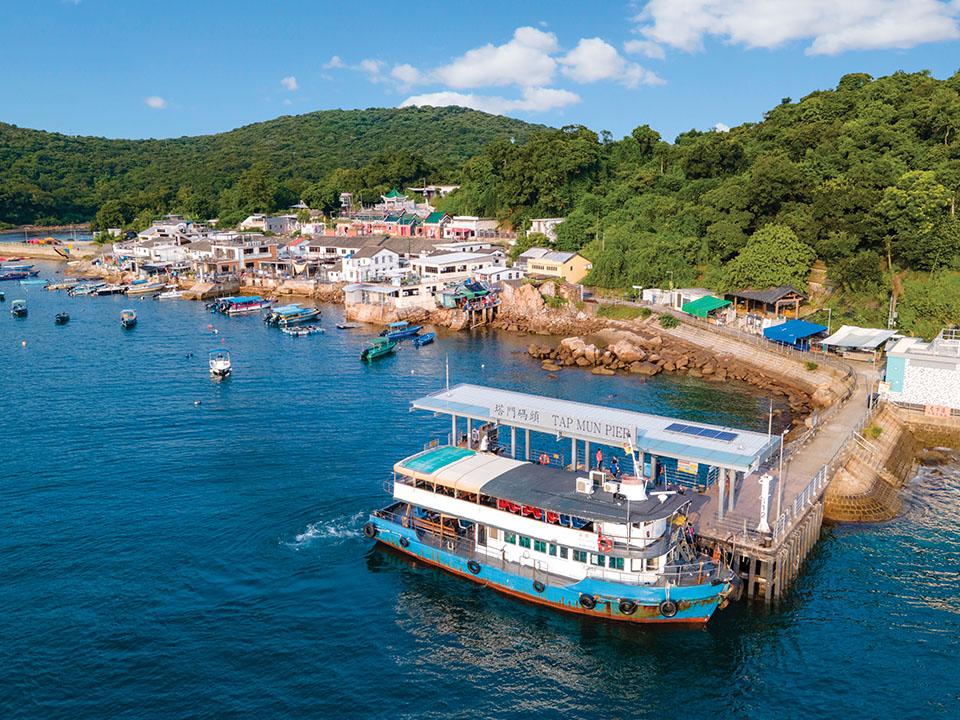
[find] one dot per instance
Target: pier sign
(599, 430)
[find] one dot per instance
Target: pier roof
(657, 434)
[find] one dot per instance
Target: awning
(704, 305)
(858, 337)
(792, 330)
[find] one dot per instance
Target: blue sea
(172, 546)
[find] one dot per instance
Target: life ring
(588, 602)
(604, 543)
(474, 567)
(404, 542)
(370, 531)
(539, 586)
(668, 608)
(627, 607)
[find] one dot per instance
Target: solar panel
(701, 432)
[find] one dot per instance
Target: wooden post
(768, 580)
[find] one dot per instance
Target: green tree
(773, 256)
(915, 211)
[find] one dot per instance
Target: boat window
(493, 533)
(509, 537)
(524, 541)
(553, 550)
(540, 546)
(580, 555)
(616, 563)
(563, 553)
(598, 560)
(653, 563)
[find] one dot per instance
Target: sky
(131, 69)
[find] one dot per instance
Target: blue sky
(124, 68)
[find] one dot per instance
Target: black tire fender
(370, 531)
(627, 607)
(587, 602)
(474, 567)
(668, 608)
(404, 542)
(539, 586)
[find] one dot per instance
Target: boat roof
(529, 484)
(380, 341)
(399, 324)
(288, 309)
(127, 310)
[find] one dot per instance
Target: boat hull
(695, 604)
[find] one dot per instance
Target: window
(598, 560)
(524, 542)
(509, 538)
(553, 550)
(653, 563)
(563, 553)
(616, 563)
(493, 533)
(539, 546)
(580, 556)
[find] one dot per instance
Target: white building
(454, 266)
(464, 227)
(495, 274)
(254, 222)
(546, 226)
(369, 264)
(281, 224)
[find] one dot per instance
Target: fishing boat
(29, 283)
(291, 315)
(111, 289)
(220, 363)
(62, 318)
(19, 308)
(16, 267)
(144, 289)
(591, 545)
(400, 330)
(18, 274)
(378, 348)
(128, 318)
(248, 305)
(86, 289)
(347, 326)
(424, 339)
(171, 293)
(302, 330)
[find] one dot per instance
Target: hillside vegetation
(49, 178)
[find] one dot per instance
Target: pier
(755, 504)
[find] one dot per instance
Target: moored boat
(378, 348)
(16, 267)
(62, 318)
(2, 297)
(220, 365)
(247, 305)
(590, 545)
(302, 330)
(399, 330)
(19, 308)
(171, 293)
(128, 318)
(86, 289)
(18, 274)
(111, 289)
(144, 289)
(424, 339)
(291, 315)
(29, 283)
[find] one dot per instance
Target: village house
(429, 192)
(463, 227)
(281, 224)
(497, 274)
(546, 226)
(454, 266)
(258, 221)
(570, 266)
(434, 225)
(369, 264)
(234, 253)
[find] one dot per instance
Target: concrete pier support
(526, 444)
(453, 429)
(513, 442)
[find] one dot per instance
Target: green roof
(392, 219)
(434, 218)
(394, 194)
(704, 305)
(408, 220)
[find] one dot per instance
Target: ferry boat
(400, 330)
(19, 308)
(590, 545)
(220, 363)
(128, 318)
(291, 315)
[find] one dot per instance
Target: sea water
(175, 546)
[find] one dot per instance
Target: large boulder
(824, 396)
(645, 368)
(627, 353)
(600, 370)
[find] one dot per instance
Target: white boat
(171, 293)
(220, 363)
(145, 289)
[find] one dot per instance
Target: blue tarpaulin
(792, 330)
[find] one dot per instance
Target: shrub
(668, 321)
(874, 431)
(556, 301)
(645, 313)
(811, 365)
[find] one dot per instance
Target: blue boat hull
(400, 334)
(695, 603)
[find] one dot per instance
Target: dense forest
(49, 178)
(861, 180)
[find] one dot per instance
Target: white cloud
(407, 75)
(644, 47)
(290, 83)
(832, 27)
(334, 62)
(593, 60)
(525, 61)
(721, 128)
(286, 101)
(533, 100)
(156, 102)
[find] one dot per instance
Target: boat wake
(343, 528)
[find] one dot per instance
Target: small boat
(424, 339)
(62, 318)
(291, 315)
(86, 289)
(248, 305)
(27, 283)
(111, 289)
(16, 267)
(378, 348)
(19, 274)
(400, 330)
(19, 308)
(128, 318)
(2, 297)
(62, 286)
(220, 363)
(144, 289)
(301, 330)
(347, 326)
(172, 293)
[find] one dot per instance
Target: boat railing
(687, 574)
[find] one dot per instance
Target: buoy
(23, 343)
(223, 340)
(209, 327)
(196, 402)
(216, 332)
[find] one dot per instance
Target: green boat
(378, 348)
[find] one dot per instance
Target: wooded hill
(49, 178)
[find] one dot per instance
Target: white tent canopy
(851, 336)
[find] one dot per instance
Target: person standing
(599, 459)
(614, 467)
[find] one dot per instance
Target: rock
(668, 366)
(600, 370)
(653, 357)
(628, 353)
(721, 374)
(695, 373)
(824, 396)
(646, 368)
(583, 362)
(513, 327)
(550, 367)
(552, 376)
(709, 368)
(574, 346)
(682, 361)
(653, 343)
